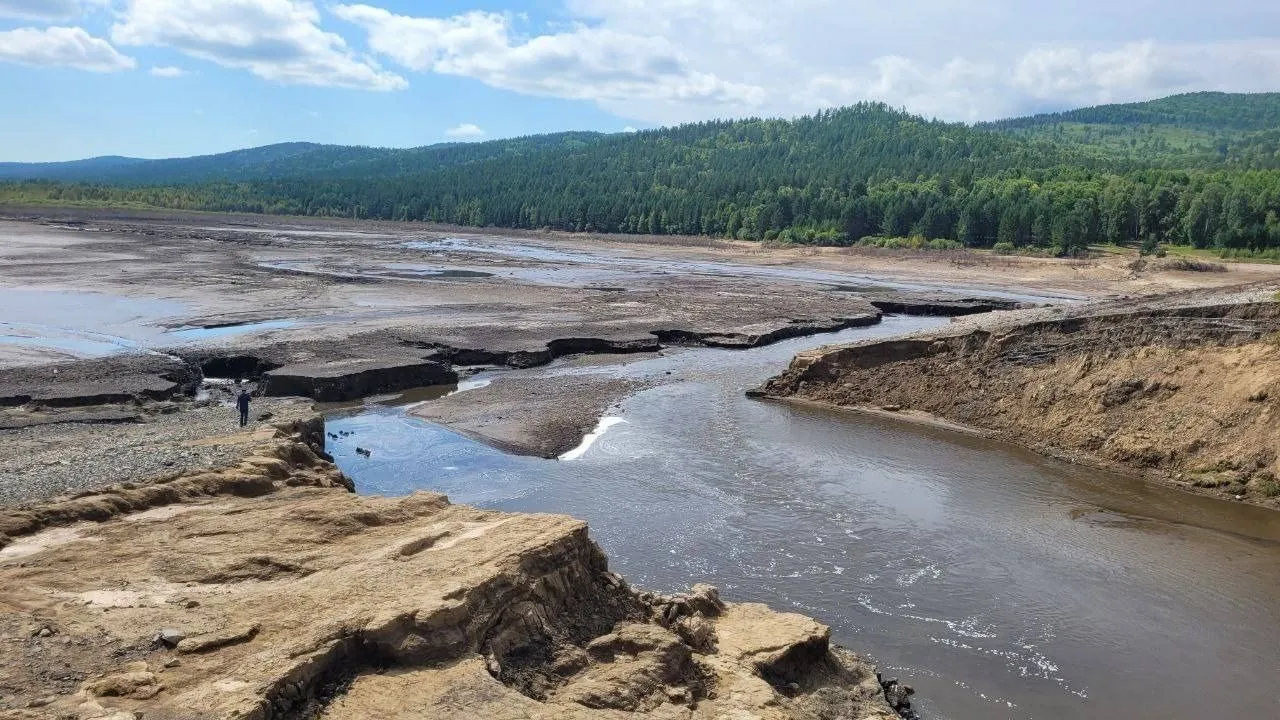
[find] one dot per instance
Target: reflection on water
(998, 582)
(79, 324)
(90, 324)
(196, 334)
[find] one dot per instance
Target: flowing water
(998, 582)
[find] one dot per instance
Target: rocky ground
(266, 589)
(49, 452)
(1180, 387)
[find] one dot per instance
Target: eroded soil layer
(265, 589)
(1181, 387)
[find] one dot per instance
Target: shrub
(1186, 264)
(1003, 248)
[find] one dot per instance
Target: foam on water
(601, 428)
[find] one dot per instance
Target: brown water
(1000, 583)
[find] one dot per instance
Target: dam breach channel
(998, 582)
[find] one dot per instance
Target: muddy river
(1000, 583)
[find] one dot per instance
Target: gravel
(43, 461)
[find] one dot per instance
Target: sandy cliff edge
(266, 589)
(1184, 388)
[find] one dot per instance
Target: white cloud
(1145, 69)
(278, 40)
(47, 10)
(1051, 77)
(168, 72)
(963, 60)
(582, 63)
(465, 130)
(62, 47)
(661, 61)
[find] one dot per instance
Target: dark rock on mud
(942, 305)
(104, 381)
(233, 366)
(743, 339)
(351, 380)
(554, 349)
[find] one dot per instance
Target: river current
(999, 583)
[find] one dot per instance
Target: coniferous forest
(1200, 169)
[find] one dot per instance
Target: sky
(166, 78)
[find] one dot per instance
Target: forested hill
(1205, 111)
(1191, 130)
(287, 160)
(867, 141)
(836, 177)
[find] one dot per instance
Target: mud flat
(538, 416)
(266, 589)
(1180, 387)
(122, 308)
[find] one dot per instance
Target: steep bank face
(1187, 390)
(267, 590)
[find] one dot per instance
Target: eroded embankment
(385, 362)
(1186, 391)
(269, 591)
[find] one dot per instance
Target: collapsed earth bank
(266, 589)
(1182, 387)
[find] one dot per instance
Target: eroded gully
(998, 582)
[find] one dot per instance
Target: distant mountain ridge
(293, 159)
(1181, 123)
(1207, 111)
(1194, 129)
(1201, 169)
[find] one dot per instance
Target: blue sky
(159, 78)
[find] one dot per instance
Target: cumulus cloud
(62, 47)
(662, 61)
(278, 40)
(465, 131)
(47, 10)
(957, 60)
(168, 72)
(582, 63)
(1067, 74)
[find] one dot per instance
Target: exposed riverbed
(1000, 583)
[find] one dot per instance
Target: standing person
(242, 402)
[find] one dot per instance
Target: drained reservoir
(1000, 583)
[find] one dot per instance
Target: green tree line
(833, 178)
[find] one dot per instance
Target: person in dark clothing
(242, 402)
